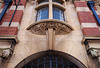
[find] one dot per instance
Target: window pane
(42, 14)
(58, 14)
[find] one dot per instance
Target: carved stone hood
(40, 27)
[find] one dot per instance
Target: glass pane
(58, 14)
(42, 14)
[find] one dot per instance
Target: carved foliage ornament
(40, 28)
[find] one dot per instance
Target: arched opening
(50, 59)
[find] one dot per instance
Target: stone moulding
(59, 6)
(42, 5)
(60, 27)
(86, 38)
(9, 38)
(47, 4)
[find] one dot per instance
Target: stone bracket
(93, 47)
(5, 52)
(87, 38)
(13, 38)
(95, 52)
(6, 48)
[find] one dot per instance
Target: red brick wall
(87, 19)
(5, 29)
(8, 30)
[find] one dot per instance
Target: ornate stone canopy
(40, 27)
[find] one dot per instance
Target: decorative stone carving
(95, 52)
(41, 27)
(5, 52)
(93, 48)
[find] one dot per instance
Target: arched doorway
(50, 59)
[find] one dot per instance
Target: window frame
(61, 14)
(50, 14)
(40, 14)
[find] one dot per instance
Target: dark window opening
(58, 14)
(50, 62)
(43, 1)
(42, 14)
(57, 1)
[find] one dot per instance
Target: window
(50, 62)
(43, 1)
(58, 14)
(42, 14)
(56, 11)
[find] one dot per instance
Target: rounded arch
(50, 52)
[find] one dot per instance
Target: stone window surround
(50, 4)
(35, 23)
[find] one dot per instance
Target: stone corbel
(95, 52)
(93, 48)
(5, 52)
(6, 48)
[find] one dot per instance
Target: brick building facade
(49, 34)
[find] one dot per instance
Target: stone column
(51, 38)
(50, 10)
